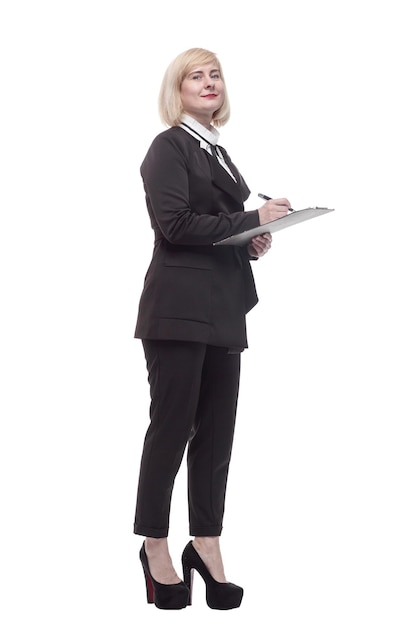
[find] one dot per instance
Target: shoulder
(173, 145)
(175, 137)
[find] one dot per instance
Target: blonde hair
(170, 106)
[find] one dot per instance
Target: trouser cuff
(146, 531)
(206, 531)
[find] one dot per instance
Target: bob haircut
(170, 106)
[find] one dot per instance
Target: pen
(261, 195)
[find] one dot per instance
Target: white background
(321, 510)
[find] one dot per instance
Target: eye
(215, 76)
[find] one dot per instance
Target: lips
(210, 95)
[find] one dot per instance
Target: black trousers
(194, 390)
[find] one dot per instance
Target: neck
(204, 120)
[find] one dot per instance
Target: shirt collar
(211, 136)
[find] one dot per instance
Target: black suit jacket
(195, 291)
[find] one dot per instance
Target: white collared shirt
(207, 138)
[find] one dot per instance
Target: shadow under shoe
(221, 596)
(176, 596)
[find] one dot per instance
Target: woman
(191, 322)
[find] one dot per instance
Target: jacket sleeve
(165, 174)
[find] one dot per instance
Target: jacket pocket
(195, 257)
(185, 293)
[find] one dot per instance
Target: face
(202, 93)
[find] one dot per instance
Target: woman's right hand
(273, 209)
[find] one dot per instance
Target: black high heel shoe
(176, 596)
(218, 595)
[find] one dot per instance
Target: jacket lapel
(222, 179)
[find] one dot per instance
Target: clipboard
(271, 227)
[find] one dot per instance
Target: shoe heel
(221, 596)
(188, 577)
(150, 594)
(163, 596)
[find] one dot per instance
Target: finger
(284, 201)
(266, 237)
(261, 250)
(259, 243)
(258, 249)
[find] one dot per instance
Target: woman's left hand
(260, 245)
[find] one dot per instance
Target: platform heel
(221, 596)
(163, 596)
